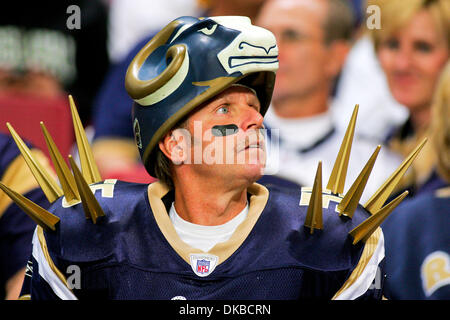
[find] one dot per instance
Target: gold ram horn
(139, 89)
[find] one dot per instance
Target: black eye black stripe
(224, 130)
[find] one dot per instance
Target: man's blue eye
(222, 110)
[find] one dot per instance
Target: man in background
(313, 38)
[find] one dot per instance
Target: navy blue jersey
(134, 252)
(16, 228)
(418, 248)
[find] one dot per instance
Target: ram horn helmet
(190, 61)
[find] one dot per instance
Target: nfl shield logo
(203, 263)
(202, 266)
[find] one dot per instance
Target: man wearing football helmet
(205, 229)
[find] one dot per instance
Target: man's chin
(251, 172)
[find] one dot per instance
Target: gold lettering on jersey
(107, 189)
(435, 272)
(327, 196)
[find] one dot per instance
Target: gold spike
(364, 230)
(91, 207)
(88, 166)
(39, 215)
(350, 202)
(49, 186)
(336, 182)
(380, 196)
(313, 218)
(62, 170)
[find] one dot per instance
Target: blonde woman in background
(412, 46)
(416, 234)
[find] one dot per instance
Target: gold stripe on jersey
(43, 244)
(368, 251)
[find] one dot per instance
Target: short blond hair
(440, 123)
(396, 13)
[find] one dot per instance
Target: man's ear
(176, 145)
(338, 51)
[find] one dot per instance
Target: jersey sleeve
(43, 280)
(367, 278)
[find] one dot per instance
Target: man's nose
(252, 119)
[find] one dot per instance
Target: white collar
(205, 237)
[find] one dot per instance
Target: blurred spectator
(363, 82)
(313, 39)
(413, 46)
(16, 228)
(131, 21)
(48, 48)
(417, 232)
(248, 8)
(114, 148)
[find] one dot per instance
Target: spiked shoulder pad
(329, 247)
(77, 239)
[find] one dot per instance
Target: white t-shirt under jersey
(205, 237)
